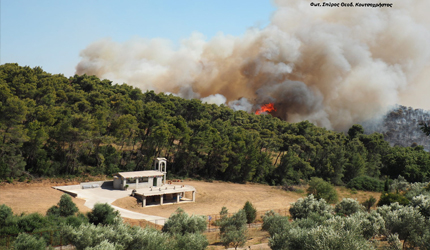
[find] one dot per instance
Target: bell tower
(160, 164)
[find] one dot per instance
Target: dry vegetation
(35, 197)
(212, 196)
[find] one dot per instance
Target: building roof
(136, 174)
(165, 189)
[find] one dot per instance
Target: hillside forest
(52, 125)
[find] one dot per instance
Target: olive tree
(232, 229)
(302, 208)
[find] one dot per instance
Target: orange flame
(266, 108)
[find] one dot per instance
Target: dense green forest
(52, 125)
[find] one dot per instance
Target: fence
(211, 219)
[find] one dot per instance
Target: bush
(190, 241)
(275, 223)
(422, 203)
(369, 203)
(366, 183)
(26, 242)
(408, 223)
(302, 208)
(119, 235)
(348, 206)
(399, 184)
(181, 223)
(250, 212)
(103, 214)
(320, 237)
(232, 230)
(5, 212)
(389, 198)
(65, 207)
(322, 190)
(416, 189)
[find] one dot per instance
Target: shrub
(416, 189)
(275, 223)
(65, 207)
(232, 230)
(5, 212)
(250, 212)
(53, 211)
(408, 223)
(25, 242)
(181, 223)
(31, 222)
(399, 184)
(103, 214)
(190, 241)
(394, 242)
(302, 208)
(388, 198)
(322, 190)
(369, 203)
(348, 206)
(104, 245)
(120, 235)
(422, 203)
(321, 237)
(366, 183)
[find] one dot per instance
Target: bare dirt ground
(34, 197)
(212, 196)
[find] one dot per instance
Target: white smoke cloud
(332, 66)
(214, 99)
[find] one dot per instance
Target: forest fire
(266, 108)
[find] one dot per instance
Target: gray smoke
(331, 66)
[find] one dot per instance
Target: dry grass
(361, 196)
(35, 197)
(212, 196)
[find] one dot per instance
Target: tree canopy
(52, 125)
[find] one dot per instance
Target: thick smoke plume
(332, 66)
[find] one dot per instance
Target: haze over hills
(401, 126)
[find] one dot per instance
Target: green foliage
(389, 198)
(366, 183)
(303, 208)
(65, 207)
(355, 131)
(399, 184)
(321, 189)
(250, 212)
(104, 214)
(181, 223)
(275, 223)
(118, 235)
(321, 237)
(232, 229)
(26, 242)
(348, 206)
(190, 241)
(369, 203)
(422, 203)
(408, 223)
(5, 212)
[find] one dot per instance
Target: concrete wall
(159, 181)
(117, 182)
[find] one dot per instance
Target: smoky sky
(332, 66)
